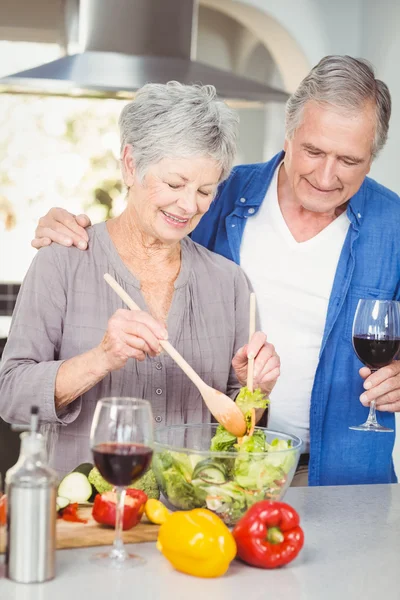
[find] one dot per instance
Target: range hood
(113, 47)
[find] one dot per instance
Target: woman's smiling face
(169, 201)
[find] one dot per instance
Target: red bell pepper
(269, 535)
(105, 508)
(3, 510)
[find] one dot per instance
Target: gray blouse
(62, 311)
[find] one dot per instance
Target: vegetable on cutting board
(3, 510)
(156, 511)
(197, 542)
(76, 487)
(147, 483)
(62, 502)
(269, 535)
(84, 468)
(70, 513)
(105, 508)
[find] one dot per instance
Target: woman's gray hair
(343, 82)
(179, 121)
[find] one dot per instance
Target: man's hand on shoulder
(62, 227)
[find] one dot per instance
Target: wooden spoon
(221, 406)
(252, 330)
(250, 364)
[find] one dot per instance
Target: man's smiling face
(329, 155)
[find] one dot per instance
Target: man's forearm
(77, 375)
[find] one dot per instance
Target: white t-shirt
(293, 283)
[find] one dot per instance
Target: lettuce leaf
(256, 474)
(252, 443)
(283, 460)
(246, 400)
(223, 441)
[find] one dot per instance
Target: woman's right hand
(130, 334)
(62, 227)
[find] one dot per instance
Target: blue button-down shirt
(369, 267)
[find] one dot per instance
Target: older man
(314, 235)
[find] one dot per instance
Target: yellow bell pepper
(197, 542)
(156, 511)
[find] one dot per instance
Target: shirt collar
(355, 209)
(256, 187)
(254, 191)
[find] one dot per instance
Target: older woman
(73, 341)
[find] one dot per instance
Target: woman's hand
(130, 334)
(266, 363)
(62, 227)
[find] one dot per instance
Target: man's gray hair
(343, 82)
(179, 121)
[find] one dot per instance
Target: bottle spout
(34, 419)
(32, 442)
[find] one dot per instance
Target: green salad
(256, 470)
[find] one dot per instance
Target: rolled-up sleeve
(30, 361)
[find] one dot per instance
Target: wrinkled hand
(130, 334)
(62, 227)
(383, 386)
(266, 363)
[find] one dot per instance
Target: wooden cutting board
(83, 535)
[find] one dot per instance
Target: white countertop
(351, 552)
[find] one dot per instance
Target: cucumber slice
(210, 471)
(84, 468)
(62, 502)
(212, 475)
(75, 487)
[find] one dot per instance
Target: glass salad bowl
(203, 466)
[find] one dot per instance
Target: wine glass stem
(372, 414)
(118, 546)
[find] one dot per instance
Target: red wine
(120, 464)
(375, 353)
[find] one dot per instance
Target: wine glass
(376, 341)
(121, 439)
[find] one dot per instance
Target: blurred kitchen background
(62, 150)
